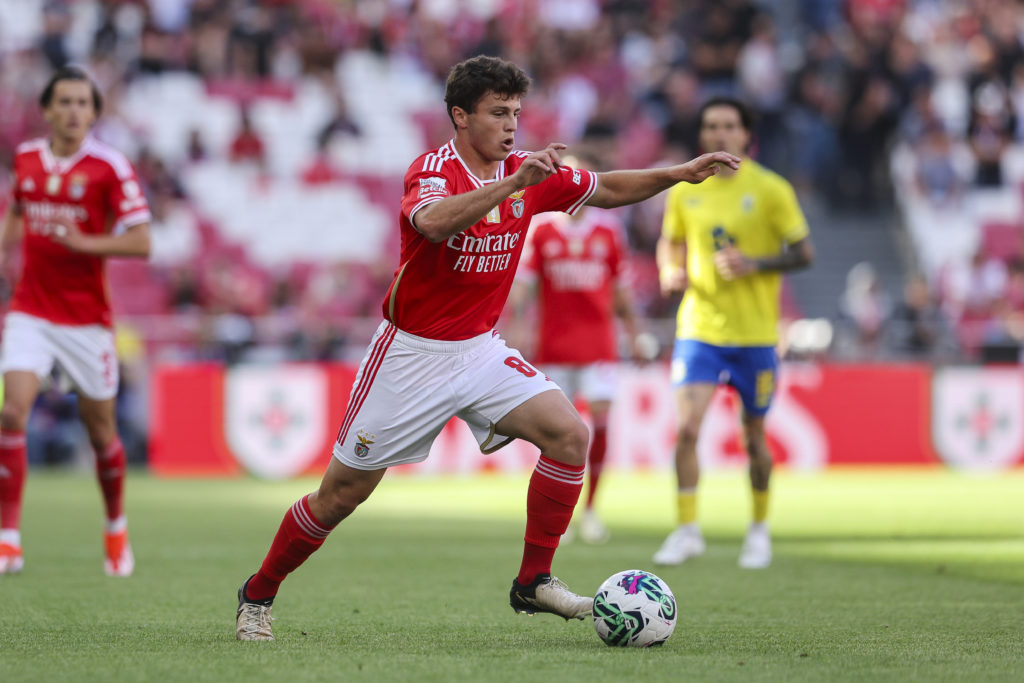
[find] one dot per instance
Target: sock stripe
(563, 473)
(12, 439)
(556, 465)
(112, 448)
(306, 522)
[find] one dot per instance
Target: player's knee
(101, 432)
(688, 432)
(756, 443)
(571, 444)
(338, 502)
(13, 417)
(335, 507)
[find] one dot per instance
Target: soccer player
(576, 264)
(726, 245)
(75, 202)
(464, 216)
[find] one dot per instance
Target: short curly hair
(470, 80)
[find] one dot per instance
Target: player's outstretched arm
(619, 188)
(450, 216)
(133, 242)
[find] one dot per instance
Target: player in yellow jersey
(725, 243)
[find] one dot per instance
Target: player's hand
(673, 280)
(706, 165)
(731, 264)
(540, 165)
(63, 231)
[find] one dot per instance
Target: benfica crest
(275, 418)
(76, 186)
(978, 417)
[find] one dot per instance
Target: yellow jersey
(754, 209)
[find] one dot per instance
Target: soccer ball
(634, 608)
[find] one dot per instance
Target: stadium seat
(1003, 240)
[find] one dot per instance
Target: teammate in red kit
(76, 201)
(464, 216)
(577, 265)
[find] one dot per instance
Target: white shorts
(85, 354)
(594, 382)
(407, 388)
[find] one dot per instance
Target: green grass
(899, 575)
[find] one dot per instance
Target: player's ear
(460, 116)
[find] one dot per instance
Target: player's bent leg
(757, 545)
(20, 391)
(99, 418)
(551, 423)
(303, 530)
(342, 490)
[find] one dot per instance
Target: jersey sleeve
(788, 219)
(425, 183)
(568, 190)
(673, 225)
(128, 201)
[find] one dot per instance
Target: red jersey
(456, 289)
(577, 265)
(96, 188)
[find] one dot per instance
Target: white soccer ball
(634, 608)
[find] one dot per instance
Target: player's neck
(478, 165)
(63, 147)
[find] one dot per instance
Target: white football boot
(592, 529)
(549, 594)
(684, 542)
(253, 620)
(757, 547)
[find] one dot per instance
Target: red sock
(13, 464)
(110, 465)
(595, 460)
(554, 490)
(299, 535)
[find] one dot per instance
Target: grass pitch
(909, 575)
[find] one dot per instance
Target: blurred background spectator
(271, 138)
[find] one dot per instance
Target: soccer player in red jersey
(75, 202)
(577, 266)
(464, 216)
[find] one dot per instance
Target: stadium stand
(899, 122)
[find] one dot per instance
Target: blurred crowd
(838, 86)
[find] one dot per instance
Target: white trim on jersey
(587, 195)
(476, 181)
(52, 164)
(117, 161)
(435, 160)
(34, 145)
(130, 220)
(429, 200)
